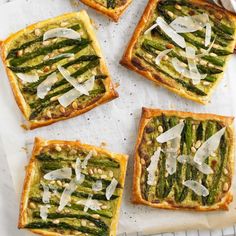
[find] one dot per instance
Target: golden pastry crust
(135, 65)
(24, 107)
(147, 114)
(113, 14)
(38, 145)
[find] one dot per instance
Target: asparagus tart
(111, 8)
(56, 69)
(183, 46)
(72, 189)
(184, 160)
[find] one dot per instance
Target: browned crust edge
(126, 60)
(108, 96)
(147, 114)
(38, 144)
(113, 14)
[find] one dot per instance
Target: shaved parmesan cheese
(61, 33)
(66, 194)
(44, 212)
(208, 147)
(78, 169)
(178, 66)
(90, 204)
(86, 159)
(89, 84)
(229, 5)
(201, 19)
(79, 177)
(161, 55)
(204, 168)
(184, 159)
(194, 73)
(67, 98)
(151, 28)
(171, 150)
(198, 188)
(208, 34)
(184, 25)
(171, 155)
(111, 188)
(190, 52)
(173, 146)
(97, 186)
(74, 82)
(46, 85)
(171, 164)
(188, 24)
(207, 51)
(153, 167)
(172, 133)
(27, 78)
(175, 143)
(46, 194)
(64, 173)
(178, 39)
(63, 55)
(211, 46)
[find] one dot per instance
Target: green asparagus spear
(13, 51)
(104, 213)
(186, 85)
(32, 87)
(218, 25)
(49, 62)
(199, 45)
(99, 223)
(46, 103)
(220, 37)
(211, 198)
(47, 167)
(65, 226)
(188, 142)
(171, 178)
(45, 50)
(210, 130)
(150, 46)
(161, 184)
(93, 161)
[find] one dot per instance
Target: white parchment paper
(115, 123)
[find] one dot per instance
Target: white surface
(122, 115)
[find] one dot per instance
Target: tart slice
(111, 8)
(183, 46)
(72, 189)
(56, 69)
(184, 161)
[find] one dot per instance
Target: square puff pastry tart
(184, 161)
(71, 189)
(56, 69)
(183, 46)
(111, 8)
